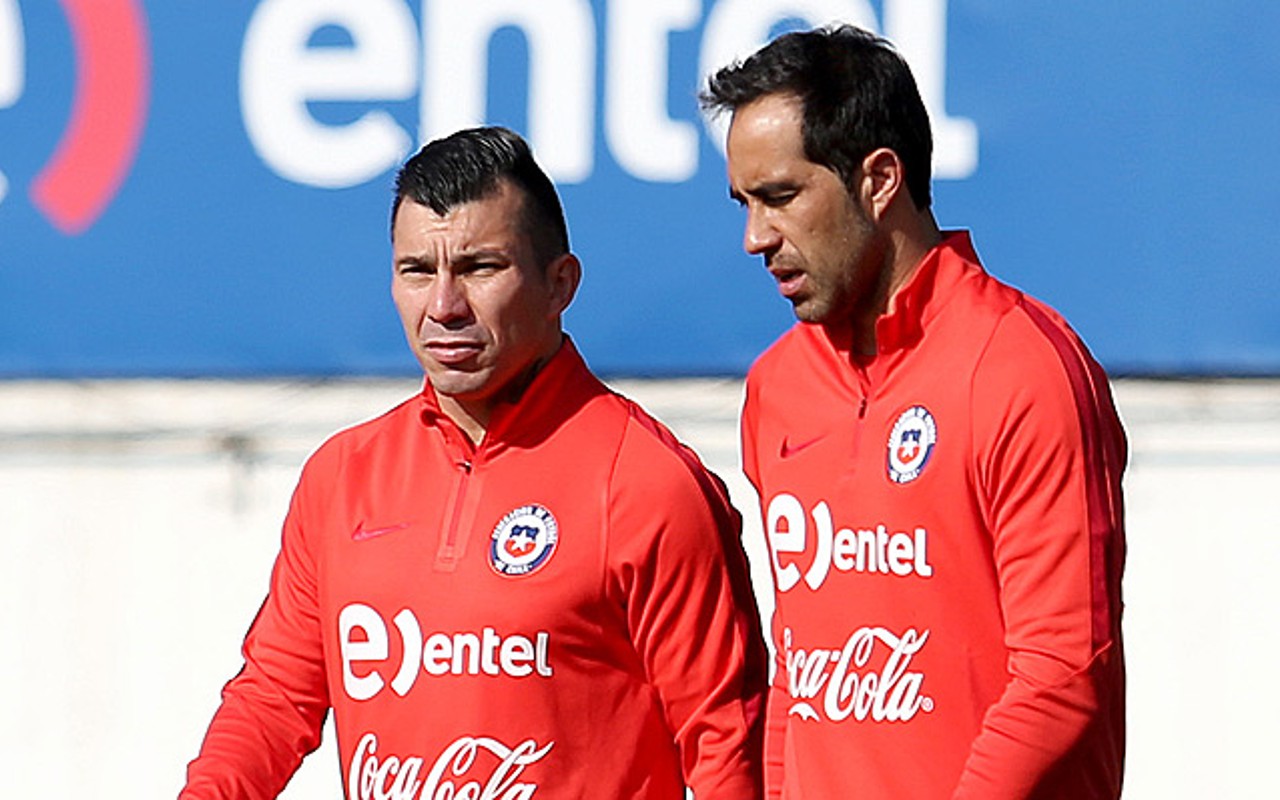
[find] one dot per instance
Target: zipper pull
(862, 408)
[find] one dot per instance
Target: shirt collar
(925, 292)
(560, 388)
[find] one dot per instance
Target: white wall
(139, 521)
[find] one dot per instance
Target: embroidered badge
(911, 443)
(523, 541)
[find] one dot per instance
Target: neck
(907, 242)
(473, 416)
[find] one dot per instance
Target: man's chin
(806, 310)
(456, 383)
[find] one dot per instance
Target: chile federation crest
(523, 541)
(911, 443)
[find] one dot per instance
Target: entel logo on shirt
(867, 550)
(484, 653)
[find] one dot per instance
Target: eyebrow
(483, 254)
(428, 259)
(763, 190)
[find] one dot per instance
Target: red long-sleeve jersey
(945, 523)
(561, 612)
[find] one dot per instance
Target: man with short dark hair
(938, 461)
(515, 585)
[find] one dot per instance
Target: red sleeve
(775, 731)
(747, 428)
(1050, 452)
(682, 574)
(273, 710)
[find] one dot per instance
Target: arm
(692, 619)
(1050, 452)
(775, 731)
(272, 711)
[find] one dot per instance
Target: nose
(760, 236)
(447, 300)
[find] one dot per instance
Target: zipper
(864, 385)
(449, 553)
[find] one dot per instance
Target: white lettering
(488, 664)
(466, 654)
(561, 36)
(368, 778)
(864, 550)
(785, 524)
(487, 653)
(516, 654)
(542, 663)
(737, 28)
(848, 687)
(920, 547)
(437, 654)
(411, 635)
(844, 553)
(458, 758)
(919, 30)
(372, 648)
(12, 54)
(12, 63)
(643, 138)
(280, 73)
(822, 559)
(899, 557)
(394, 778)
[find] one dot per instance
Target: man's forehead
(494, 207)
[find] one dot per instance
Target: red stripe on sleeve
(1102, 466)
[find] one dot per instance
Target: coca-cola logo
(844, 684)
(473, 767)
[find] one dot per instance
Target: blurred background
(193, 294)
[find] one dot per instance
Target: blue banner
(203, 188)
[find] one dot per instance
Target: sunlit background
(193, 294)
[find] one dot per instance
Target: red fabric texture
(626, 663)
(946, 523)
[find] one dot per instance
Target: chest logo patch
(523, 541)
(911, 443)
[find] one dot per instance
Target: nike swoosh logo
(361, 533)
(788, 450)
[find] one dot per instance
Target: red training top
(560, 612)
(945, 521)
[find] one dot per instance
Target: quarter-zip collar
(559, 389)
(913, 305)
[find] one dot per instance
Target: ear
(564, 274)
(881, 180)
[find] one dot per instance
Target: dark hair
(470, 165)
(857, 94)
